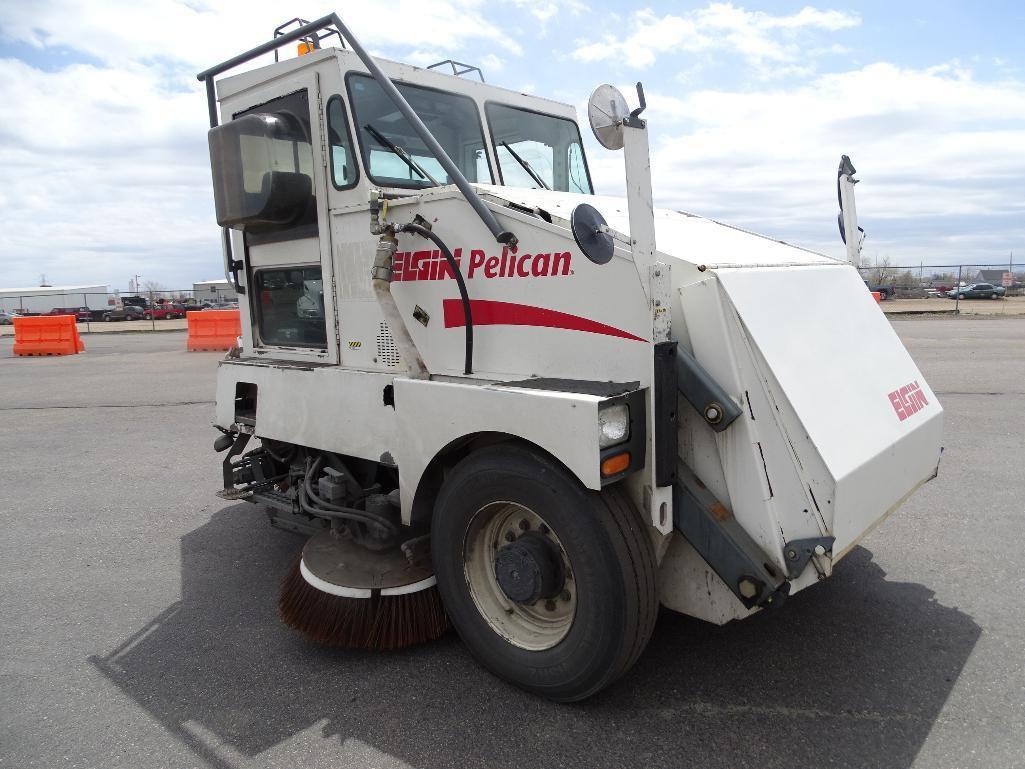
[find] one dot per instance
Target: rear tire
(560, 651)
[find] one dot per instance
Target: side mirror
(257, 164)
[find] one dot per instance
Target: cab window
(537, 150)
(343, 164)
(395, 156)
(290, 307)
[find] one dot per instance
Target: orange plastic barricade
(877, 296)
(213, 329)
(46, 335)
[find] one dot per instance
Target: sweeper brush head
(341, 594)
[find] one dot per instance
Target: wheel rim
(534, 625)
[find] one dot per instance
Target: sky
(105, 170)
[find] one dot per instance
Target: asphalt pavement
(138, 625)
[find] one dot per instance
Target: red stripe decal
(488, 313)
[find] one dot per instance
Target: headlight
(613, 425)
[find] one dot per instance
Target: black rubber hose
(325, 510)
(463, 295)
(313, 504)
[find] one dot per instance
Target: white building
(214, 291)
(40, 299)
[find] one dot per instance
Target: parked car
(885, 292)
(82, 314)
(7, 317)
(977, 291)
(135, 301)
(221, 306)
(163, 312)
(128, 312)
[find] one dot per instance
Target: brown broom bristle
(379, 622)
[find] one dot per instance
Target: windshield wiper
(413, 165)
(526, 166)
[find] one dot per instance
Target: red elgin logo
(908, 400)
(431, 265)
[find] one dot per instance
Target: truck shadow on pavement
(849, 673)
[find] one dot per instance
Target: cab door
(288, 268)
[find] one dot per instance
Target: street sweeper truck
(495, 401)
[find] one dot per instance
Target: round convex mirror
(591, 233)
(606, 110)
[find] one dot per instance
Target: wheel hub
(529, 569)
(519, 575)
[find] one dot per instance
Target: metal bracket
(659, 279)
(665, 398)
(227, 468)
(799, 551)
(723, 543)
(633, 120)
(702, 392)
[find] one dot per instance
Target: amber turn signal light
(615, 464)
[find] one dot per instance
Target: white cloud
(116, 31)
(937, 151)
(106, 158)
(757, 36)
(546, 10)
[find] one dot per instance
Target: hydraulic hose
(311, 502)
(463, 295)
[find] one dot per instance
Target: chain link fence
(934, 288)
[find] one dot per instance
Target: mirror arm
(633, 120)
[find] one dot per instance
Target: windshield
(394, 155)
(538, 151)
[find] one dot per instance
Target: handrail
(333, 20)
(466, 68)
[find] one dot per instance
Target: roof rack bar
(456, 65)
(333, 20)
(313, 39)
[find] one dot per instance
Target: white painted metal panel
(685, 236)
(831, 359)
(431, 415)
(326, 407)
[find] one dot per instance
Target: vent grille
(387, 352)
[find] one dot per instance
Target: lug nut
(550, 605)
(524, 524)
(509, 536)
